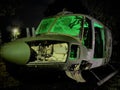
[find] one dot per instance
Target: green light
(97, 25)
(72, 53)
(69, 25)
(86, 25)
(44, 25)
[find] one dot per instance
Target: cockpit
(69, 25)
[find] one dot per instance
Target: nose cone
(15, 52)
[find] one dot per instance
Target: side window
(87, 34)
(99, 41)
(74, 52)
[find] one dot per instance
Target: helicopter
(66, 41)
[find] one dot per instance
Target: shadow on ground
(41, 80)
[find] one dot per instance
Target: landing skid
(101, 74)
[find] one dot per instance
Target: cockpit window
(87, 33)
(45, 25)
(70, 25)
(74, 52)
(99, 40)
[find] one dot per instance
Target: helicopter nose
(15, 52)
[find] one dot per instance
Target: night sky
(30, 12)
(24, 11)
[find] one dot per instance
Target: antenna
(64, 12)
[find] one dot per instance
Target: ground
(34, 82)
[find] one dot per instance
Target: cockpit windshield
(70, 25)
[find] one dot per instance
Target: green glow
(97, 25)
(44, 25)
(69, 25)
(86, 25)
(72, 53)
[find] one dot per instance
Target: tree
(8, 11)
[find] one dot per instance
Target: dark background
(28, 13)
